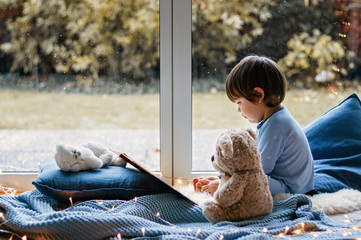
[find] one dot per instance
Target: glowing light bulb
(198, 232)
(287, 228)
(143, 231)
(314, 235)
(356, 227)
(71, 201)
(179, 181)
(303, 226)
(264, 230)
(158, 214)
(119, 236)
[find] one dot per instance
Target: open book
(136, 165)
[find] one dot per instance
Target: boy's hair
(257, 71)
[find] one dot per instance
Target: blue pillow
(335, 142)
(337, 133)
(111, 182)
(332, 175)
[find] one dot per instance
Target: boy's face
(254, 112)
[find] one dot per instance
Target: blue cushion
(111, 182)
(337, 133)
(335, 142)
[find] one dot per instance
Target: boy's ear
(259, 93)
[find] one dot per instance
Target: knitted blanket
(162, 216)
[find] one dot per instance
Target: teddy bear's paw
(76, 167)
(106, 158)
(101, 152)
(118, 161)
(89, 159)
(64, 166)
(212, 212)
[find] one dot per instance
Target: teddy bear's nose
(212, 158)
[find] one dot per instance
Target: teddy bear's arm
(231, 192)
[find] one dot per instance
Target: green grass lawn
(32, 110)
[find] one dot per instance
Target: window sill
(21, 181)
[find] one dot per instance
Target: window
(76, 72)
(316, 43)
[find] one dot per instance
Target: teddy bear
(92, 155)
(243, 191)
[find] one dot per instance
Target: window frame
(175, 98)
(176, 91)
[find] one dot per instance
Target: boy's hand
(208, 184)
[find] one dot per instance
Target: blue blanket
(162, 216)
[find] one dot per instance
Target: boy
(258, 86)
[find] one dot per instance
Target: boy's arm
(270, 144)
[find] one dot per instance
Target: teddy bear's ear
(252, 133)
(226, 145)
(60, 147)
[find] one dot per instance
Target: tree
(293, 33)
(311, 55)
(222, 28)
(13, 10)
(294, 17)
(85, 37)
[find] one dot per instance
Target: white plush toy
(88, 156)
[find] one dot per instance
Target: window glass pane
(74, 72)
(317, 44)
